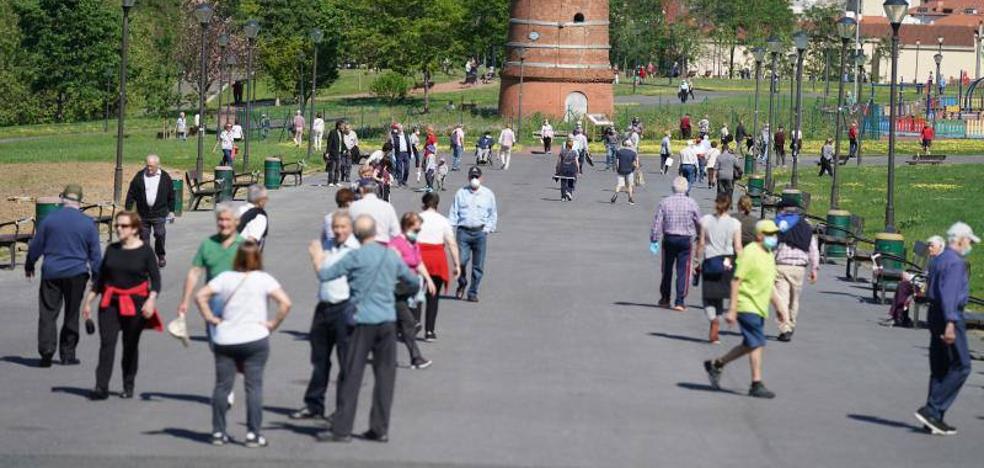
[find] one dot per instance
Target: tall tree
(18, 105)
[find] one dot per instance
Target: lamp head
(859, 58)
(802, 40)
(317, 35)
(223, 39)
(775, 45)
(252, 29)
(939, 39)
(846, 28)
(895, 10)
(759, 54)
(204, 14)
(127, 4)
(938, 58)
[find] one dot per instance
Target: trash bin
(749, 165)
(890, 243)
(226, 175)
(271, 173)
(44, 206)
(756, 185)
(792, 196)
(838, 225)
(178, 185)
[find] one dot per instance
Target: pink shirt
(409, 251)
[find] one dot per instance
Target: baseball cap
(474, 172)
(72, 192)
(962, 229)
(766, 226)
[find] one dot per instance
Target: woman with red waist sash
(129, 282)
(436, 240)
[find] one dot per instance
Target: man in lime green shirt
(751, 291)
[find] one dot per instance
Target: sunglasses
(126, 226)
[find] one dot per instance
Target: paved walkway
(565, 362)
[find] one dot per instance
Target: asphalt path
(566, 361)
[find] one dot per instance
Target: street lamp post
(522, 76)
(759, 54)
(204, 15)
(938, 58)
(895, 10)
(802, 40)
(977, 53)
(774, 48)
(845, 29)
(252, 30)
(859, 59)
(316, 36)
(121, 103)
(223, 42)
(792, 92)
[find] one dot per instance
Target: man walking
(675, 227)
(506, 141)
(474, 214)
(401, 149)
(751, 291)
(826, 158)
(852, 138)
(381, 211)
(298, 128)
(796, 251)
(457, 147)
(334, 153)
(372, 272)
(69, 242)
(688, 164)
(151, 193)
(254, 223)
(780, 145)
(727, 169)
(329, 327)
(949, 357)
(627, 162)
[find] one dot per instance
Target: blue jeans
(610, 158)
(456, 152)
(949, 367)
(471, 244)
(689, 172)
(701, 167)
(676, 252)
(226, 157)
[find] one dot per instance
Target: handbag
(713, 266)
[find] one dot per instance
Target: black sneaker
(936, 427)
(713, 374)
(255, 440)
(785, 337)
(950, 430)
(126, 394)
(614, 197)
(219, 439)
(98, 394)
(45, 361)
(758, 390)
(370, 435)
(329, 436)
(303, 413)
(430, 336)
(70, 361)
(421, 363)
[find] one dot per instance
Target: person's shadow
(77, 391)
(705, 388)
(23, 361)
(157, 396)
(194, 436)
(885, 422)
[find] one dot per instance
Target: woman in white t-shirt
(436, 240)
(318, 131)
(226, 140)
(239, 330)
(718, 245)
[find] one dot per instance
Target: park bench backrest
(920, 254)
(857, 225)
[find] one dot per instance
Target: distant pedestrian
(234, 304)
(318, 131)
(718, 244)
(151, 194)
(780, 146)
(796, 254)
(664, 152)
(710, 165)
(237, 92)
(401, 153)
(751, 292)
(227, 142)
(352, 154)
(69, 242)
(474, 214)
(741, 136)
(373, 272)
(927, 134)
(688, 164)
(436, 241)
(826, 158)
(129, 282)
(254, 223)
(381, 211)
(407, 302)
(852, 138)
(298, 128)
(949, 356)
(181, 127)
(611, 140)
(457, 147)
(675, 227)
(416, 149)
(726, 170)
(237, 131)
(685, 126)
(627, 162)
(506, 141)
(726, 137)
(567, 170)
(334, 152)
(581, 145)
(704, 127)
(547, 135)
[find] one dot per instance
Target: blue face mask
(770, 242)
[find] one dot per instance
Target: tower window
(579, 18)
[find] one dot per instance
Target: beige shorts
(627, 180)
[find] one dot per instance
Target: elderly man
(626, 163)
(381, 211)
(298, 128)
(905, 292)
(726, 169)
(215, 254)
(474, 214)
(796, 254)
(688, 164)
(675, 226)
(151, 193)
(401, 152)
(254, 223)
(69, 242)
(457, 146)
(372, 272)
(334, 153)
(949, 357)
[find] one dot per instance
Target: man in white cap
(949, 357)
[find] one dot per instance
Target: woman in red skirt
(436, 239)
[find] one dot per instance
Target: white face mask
(475, 183)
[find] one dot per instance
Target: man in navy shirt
(69, 242)
(949, 357)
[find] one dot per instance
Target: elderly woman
(567, 169)
(129, 282)
(406, 245)
(905, 293)
(718, 244)
(436, 241)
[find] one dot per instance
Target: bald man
(151, 194)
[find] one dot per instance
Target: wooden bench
(199, 189)
(244, 180)
(10, 240)
(932, 159)
(102, 214)
(295, 170)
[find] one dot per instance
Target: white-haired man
(215, 254)
(675, 226)
(626, 163)
(949, 357)
(151, 194)
(254, 223)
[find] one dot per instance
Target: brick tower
(560, 47)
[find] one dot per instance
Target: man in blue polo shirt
(69, 242)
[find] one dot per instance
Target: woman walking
(129, 282)
(746, 219)
(718, 244)
(547, 135)
(567, 170)
(664, 152)
(240, 332)
(406, 245)
(436, 240)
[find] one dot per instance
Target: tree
(18, 105)
(187, 50)
(154, 43)
(823, 54)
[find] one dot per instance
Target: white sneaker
(255, 441)
(231, 399)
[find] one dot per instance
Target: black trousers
(51, 296)
(726, 186)
(547, 144)
(334, 169)
(346, 164)
(380, 341)
(430, 322)
(158, 225)
(825, 167)
(408, 327)
(328, 330)
(111, 323)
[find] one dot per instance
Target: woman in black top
(129, 281)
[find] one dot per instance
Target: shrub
(391, 86)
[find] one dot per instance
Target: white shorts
(625, 180)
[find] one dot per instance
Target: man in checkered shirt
(675, 227)
(796, 256)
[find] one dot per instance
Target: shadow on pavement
(77, 391)
(297, 335)
(154, 396)
(309, 431)
(637, 304)
(885, 422)
(282, 411)
(23, 361)
(677, 337)
(705, 388)
(200, 437)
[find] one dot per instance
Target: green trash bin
(756, 185)
(838, 225)
(44, 206)
(178, 185)
(227, 176)
(749, 165)
(271, 173)
(890, 243)
(792, 196)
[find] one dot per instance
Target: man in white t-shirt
(506, 141)
(227, 141)
(382, 212)
(254, 223)
(318, 131)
